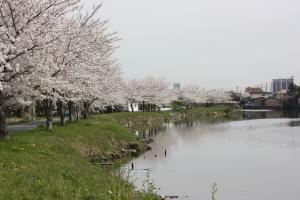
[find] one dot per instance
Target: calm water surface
(257, 158)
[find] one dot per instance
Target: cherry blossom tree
(153, 93)
(78, 68)
(26, 27)
(132, 93)
(192, 95)
(217, 96)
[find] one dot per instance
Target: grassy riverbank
(64, 163)
(142, 120)
(57, 165)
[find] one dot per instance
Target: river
(255, 158)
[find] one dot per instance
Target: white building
(134, 107)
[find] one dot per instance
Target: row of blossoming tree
(153, 93)
(53, 54)
(193, 95)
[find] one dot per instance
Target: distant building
(258, 102)
(176, 87)
(252, 90)
(282, 94)
(255, 92)
(272, 102)
(281, 84)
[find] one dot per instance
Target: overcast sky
(214, 43)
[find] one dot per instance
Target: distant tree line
(294, 94)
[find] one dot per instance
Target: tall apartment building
(281, 84)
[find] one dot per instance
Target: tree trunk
(22, 114)
(3, 121)
(131, 106)
(62, 113)
(78, 111)
(49, 113)
(33, 113)
(71, 111)
(143, 106)
(86, 110)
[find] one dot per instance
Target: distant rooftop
(254, 90)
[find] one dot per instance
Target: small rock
(104, 158)
(169, 197)
(106, 163)
(148, 148)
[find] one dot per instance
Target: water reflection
(247, 115)
(294, 123)
(150, 133)
(250, 159)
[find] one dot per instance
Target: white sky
(214, 43)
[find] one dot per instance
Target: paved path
(28, 125)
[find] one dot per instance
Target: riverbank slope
(66, 163)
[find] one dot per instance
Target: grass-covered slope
(64, 163)
(56, 165)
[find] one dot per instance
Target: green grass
(219, 109)
(145, 120)
(57, 165)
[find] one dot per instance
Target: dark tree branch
(12, 18)
(27, 69)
